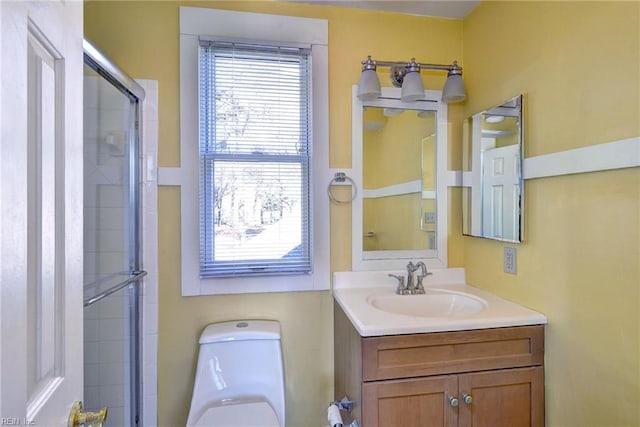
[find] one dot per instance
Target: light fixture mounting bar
(391, 64)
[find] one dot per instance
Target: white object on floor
(333, 416)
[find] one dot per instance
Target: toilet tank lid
(241, 330)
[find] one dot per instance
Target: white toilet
(240, 376)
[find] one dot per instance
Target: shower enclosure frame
(104, 67)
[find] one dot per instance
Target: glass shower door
(111, 253)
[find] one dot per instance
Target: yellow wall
(578, 65)
(142, 37)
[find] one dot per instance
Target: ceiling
(455, 9)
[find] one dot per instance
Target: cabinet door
(503, 398)
(410, 403)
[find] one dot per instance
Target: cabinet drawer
(404, 356)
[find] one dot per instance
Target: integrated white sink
(369, 300)
(434, 303)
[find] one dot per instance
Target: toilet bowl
(240, 376)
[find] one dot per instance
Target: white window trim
(199, 22)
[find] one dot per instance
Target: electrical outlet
(510, 260)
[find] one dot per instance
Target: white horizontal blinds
(255, 159)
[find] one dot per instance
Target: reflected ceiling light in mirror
(369, 86)
(494, 119)
(407, 76)
(391, 112)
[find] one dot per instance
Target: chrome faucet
(419, 288)
(413, 286)
(410, 283)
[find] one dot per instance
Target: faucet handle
(400, 290)
(419, 286)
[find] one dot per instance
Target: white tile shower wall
(106, 358)
(149, 192)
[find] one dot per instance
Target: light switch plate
(510, 260)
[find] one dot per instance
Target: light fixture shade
(454, 89)
(369, 86)
(412, 87)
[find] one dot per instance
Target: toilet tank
(240, 370)
(243, 330)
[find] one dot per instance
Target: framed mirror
(493, 147)
(399, 166)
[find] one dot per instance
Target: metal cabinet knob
(467, 398)
(453, 401)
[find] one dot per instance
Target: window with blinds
(255, 157)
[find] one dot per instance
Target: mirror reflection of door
(399, 197)
(500, 192)
(500, 176)
(492, 158)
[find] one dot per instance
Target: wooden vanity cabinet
(496, 375)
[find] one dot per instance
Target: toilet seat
(238, 413)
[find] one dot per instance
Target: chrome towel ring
(339, 178)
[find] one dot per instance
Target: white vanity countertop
(352, 289)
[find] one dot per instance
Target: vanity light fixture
(407, 76)
(369, 86)
(412, 87)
